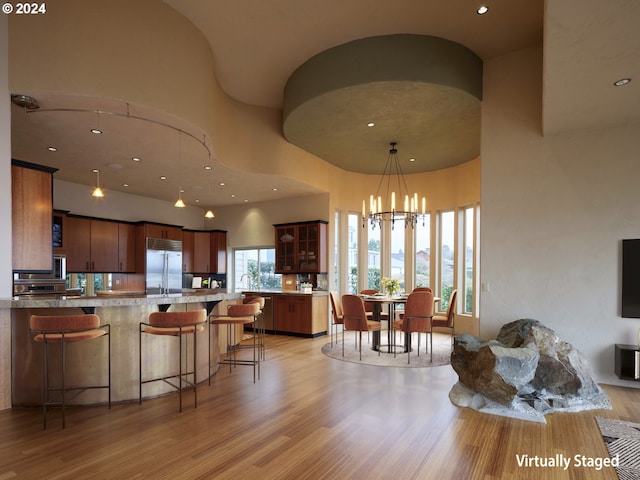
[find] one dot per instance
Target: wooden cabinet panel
(218, 253)
(104, 246)
(77, 241)
(32, 209)
(126, 247)
(202, 252)
(187, 250)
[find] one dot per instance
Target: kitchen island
(84, 360)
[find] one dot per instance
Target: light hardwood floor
(309, 417)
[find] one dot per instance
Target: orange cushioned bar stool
(179, 325)
(259, 321)
(64, 329)
(238, 314)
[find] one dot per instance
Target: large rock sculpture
(526, 372)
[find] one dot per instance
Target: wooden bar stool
(238, 314)
(64, 329)
(179, 325)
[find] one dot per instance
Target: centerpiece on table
(390, 285)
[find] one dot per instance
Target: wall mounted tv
(631, 278)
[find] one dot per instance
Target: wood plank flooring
(309, 417)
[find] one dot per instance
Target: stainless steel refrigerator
(164, 266)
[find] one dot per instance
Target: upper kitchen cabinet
(204, 251)
(32, 209)
(301, 247)
(167, 232)
(100, 246)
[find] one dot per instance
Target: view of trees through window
(447, 257)
(254, 269)
(423, 253)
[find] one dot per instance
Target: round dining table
(377, 301)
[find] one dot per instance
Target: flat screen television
(631, 278)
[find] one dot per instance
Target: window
(354, 228)
(254, 269)
(468, 260)
(373, 258)
(447, 257)
(423, 254)
(336, 252)
(396, 262)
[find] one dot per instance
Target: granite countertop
(113, 299)
(316, 293)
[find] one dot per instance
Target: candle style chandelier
(392, 181)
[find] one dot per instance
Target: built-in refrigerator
(164, 266)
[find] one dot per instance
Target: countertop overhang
(114, 300)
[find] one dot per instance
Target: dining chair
(448, 320)
(355, 319)
(337, 317)
(417, 318)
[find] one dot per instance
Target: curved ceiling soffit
(421, 91)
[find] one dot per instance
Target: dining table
(377, 301)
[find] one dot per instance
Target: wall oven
(50, 283)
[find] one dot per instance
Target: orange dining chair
(418, 314)
(422, 289)
(64, 329)
(337, 317)
(448, 320)
(355, 319)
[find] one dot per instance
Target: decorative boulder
(526, 372)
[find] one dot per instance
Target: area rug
(623, 443)
(441, 353)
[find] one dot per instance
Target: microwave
(58, 272)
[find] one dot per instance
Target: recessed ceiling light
(222, 184)
(95, 170)
(482, 9)
(95, 131)
(197, 200)
(370, 124)
(125, 185)
(245, 200)
(135, 159)
(412, 159)
(162, 177)
(621, 82)
(207, 167)
(52, 149)
(233, 195)
(274, 189)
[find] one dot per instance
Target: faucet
(248, 278)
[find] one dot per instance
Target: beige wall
(554, 211)
(5, 213)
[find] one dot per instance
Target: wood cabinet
(300, 314)
(204, 252)
(167, 232)
(126, 247)
(99, 246)
(301, 247)
(187, 251)
(31, 216)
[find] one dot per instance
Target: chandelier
(382, 205)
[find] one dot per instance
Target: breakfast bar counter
(84, 362)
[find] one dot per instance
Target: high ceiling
(256, 46)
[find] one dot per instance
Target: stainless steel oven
(50, 283)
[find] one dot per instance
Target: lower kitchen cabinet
(300, 314)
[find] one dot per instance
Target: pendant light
(209, 214)
(179, 203)
(97, 192)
